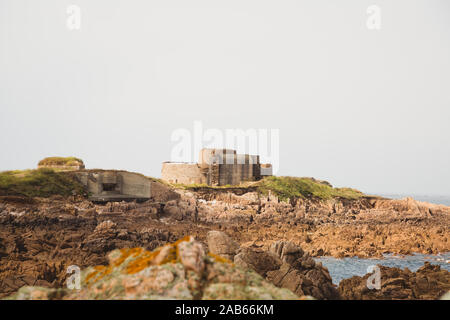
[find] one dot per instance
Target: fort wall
(183, 173)
(216, 167)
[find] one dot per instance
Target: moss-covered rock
(61, 161)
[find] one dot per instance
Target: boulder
(105, 226)
(180, 270)
(287, 266)
(257, 259)
(287, 251)
(192, 255)
(221, 244)
(300, 274)
(314, 281)
(428, 283)
(172, 210)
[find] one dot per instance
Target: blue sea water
(348, 267)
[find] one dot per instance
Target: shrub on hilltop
(61, 161)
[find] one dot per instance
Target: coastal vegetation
(42, 182)
(287, 188)
(292, 187)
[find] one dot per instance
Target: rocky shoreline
(427, 283)
(366, 227)
(41, 237)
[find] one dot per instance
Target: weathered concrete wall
(183, 173)
(91, 181)
(135, 184)
(266, 169)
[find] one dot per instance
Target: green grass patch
(159, 180)
(60, 161)
(286, 188)
(291, 187)
(42, 182)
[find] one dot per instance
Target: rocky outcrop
(287, 266)
(174, 211)
(41, 237)
(287, 251)
(300, 274)
(221, 244)
(365, 227)
(257, 259)
(429, 282)
(284, 264)
(180, 270)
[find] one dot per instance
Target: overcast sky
(369, 109)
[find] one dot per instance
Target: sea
(436, 199)
(342, 268)
(348, 267)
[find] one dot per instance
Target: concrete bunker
(111, 185)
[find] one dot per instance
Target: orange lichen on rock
(218, 258)
(167, 254)
(139, 260)
(143, 261)
(98, 273)
(184, 239)
(101, 271)
(126, 253)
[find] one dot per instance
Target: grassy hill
(286, 188)
(38, 183)
(46, 182)
(293, 187)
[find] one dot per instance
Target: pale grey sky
(363, 108)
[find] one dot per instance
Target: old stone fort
(216, 167)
